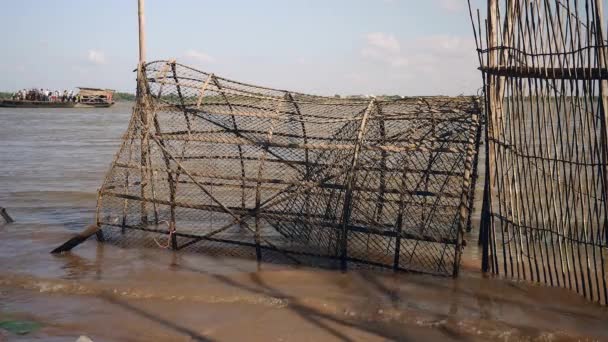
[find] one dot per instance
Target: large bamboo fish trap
(545, 210)
(228, 168)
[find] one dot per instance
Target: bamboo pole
(202, 90)
(486, 221)
(143, 111)
(172, 182)
(235, 127)
(143, 106)
(603, 62)
(142, 32)
(258, 188)
(350, 180)
(465, 208)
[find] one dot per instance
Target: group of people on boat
(45, 95)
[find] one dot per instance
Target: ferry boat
(87, 98)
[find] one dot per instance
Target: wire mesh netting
(227, 168)
(544, 66)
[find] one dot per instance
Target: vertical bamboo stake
(603, 64)
(144, 142)
(399, 226)
(399, 223)
(126, 185)
(143, 110)
(465, 209)
(172, 182)
(240, 148)
(350, 180)
(486, 225)
(258, 188)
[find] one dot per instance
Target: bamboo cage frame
(544, 215)
(229, 168)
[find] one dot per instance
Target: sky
(324, 47)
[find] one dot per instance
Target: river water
(53, 160)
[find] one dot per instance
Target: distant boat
(49, 104)
(87, 98)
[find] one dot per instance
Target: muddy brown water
(53, 160)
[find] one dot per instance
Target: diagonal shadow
(168, 324)
(307, 313)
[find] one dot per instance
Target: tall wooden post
(491, 117)
(142, 32)
(143, 111)
(603, 64)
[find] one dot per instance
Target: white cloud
(198, 56)
(384, 47)
(96, 57)
(446, 61)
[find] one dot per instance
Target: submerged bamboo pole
(6, 216)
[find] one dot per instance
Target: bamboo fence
(544, 212)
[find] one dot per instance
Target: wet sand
(50, 166)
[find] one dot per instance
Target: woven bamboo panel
(545, 217)
(227, 168)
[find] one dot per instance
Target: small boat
(87, 98)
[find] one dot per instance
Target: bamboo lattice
(545, 210)
(227, 168)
